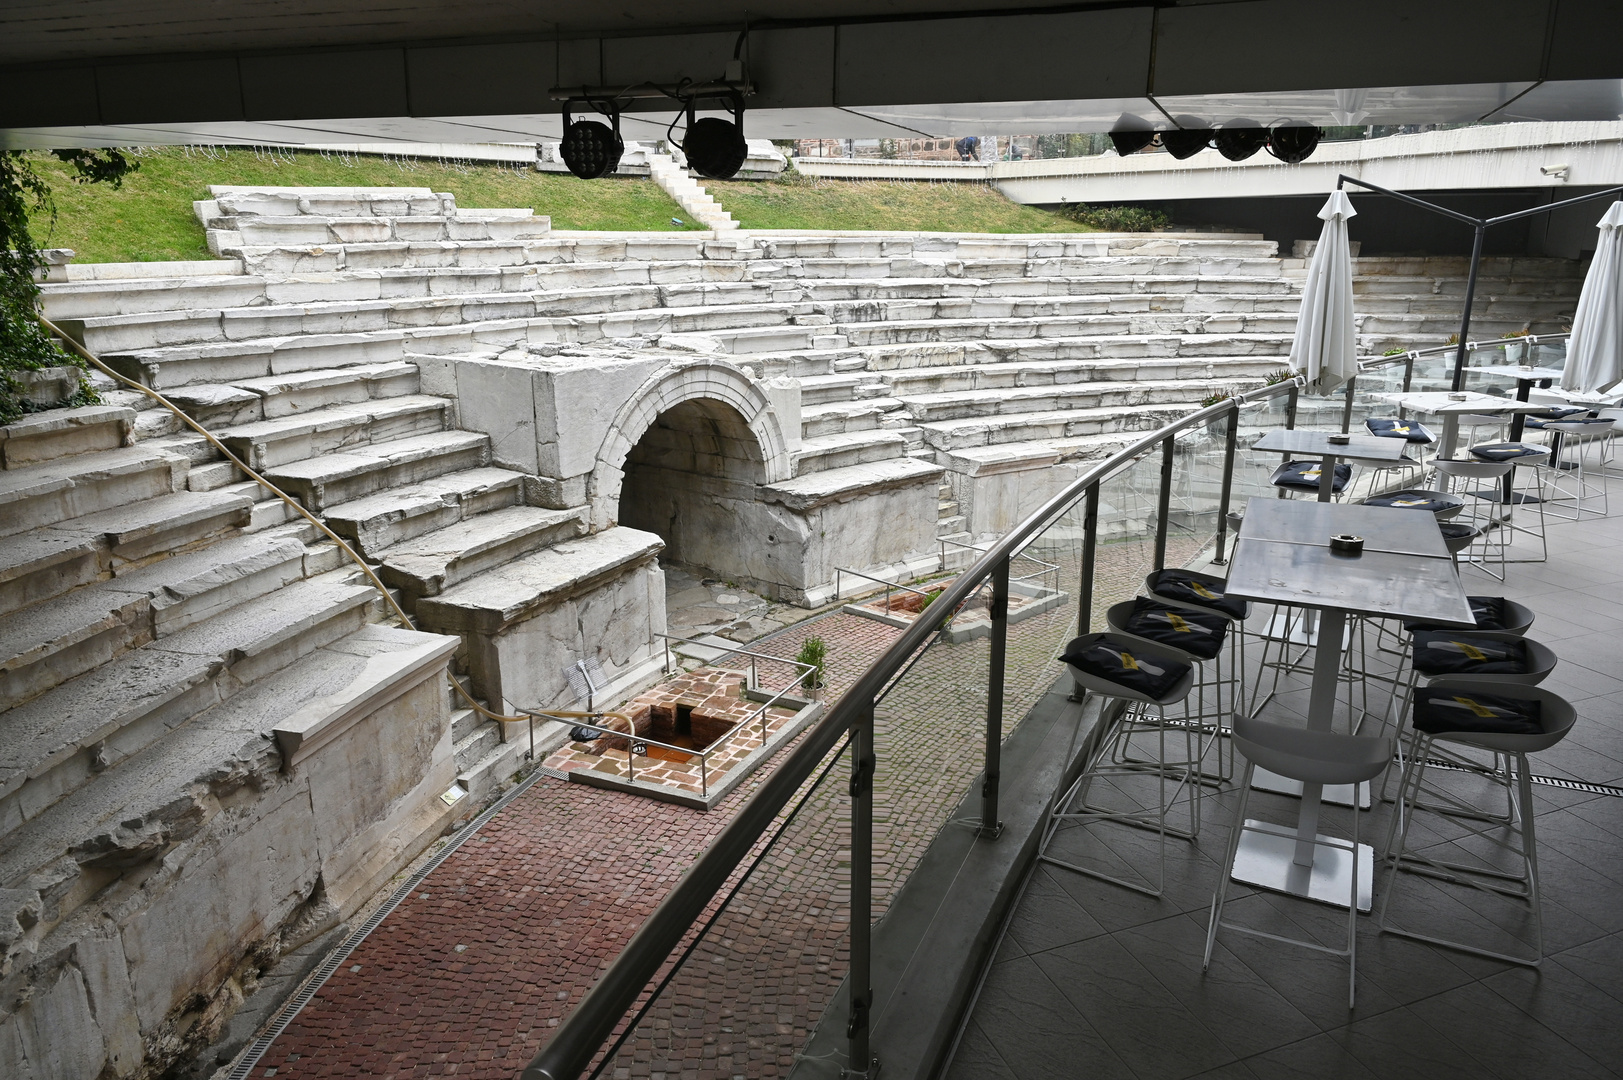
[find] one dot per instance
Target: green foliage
(1212, 399)
(24, 196)
(798, 201)
(1067, 146)
(1395, 352)
(813, 651)
(1278, 376)
(1119, 218)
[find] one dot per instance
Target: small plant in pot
(813, 652)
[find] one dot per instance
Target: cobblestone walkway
(469, 976)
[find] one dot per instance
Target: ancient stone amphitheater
(211, 745)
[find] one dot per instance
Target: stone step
(463, 719)
(37, 438)
(951, 435)
(47, 562)
(232, 231)
(843, 450)
(1532, 286)
(269, 443)
(992, 375)
(486, 762)
(376, 522)
(1158, 285)
(85, 299)
(327, 201)
(232, 362)
(429, 564)
(47, 643)
(1432, 324)
(863, 335)
(341, 477)
(167, 752)
(72, 487)
(639, 251)
(831, 389)
(1010, 401)
(1122, 347)
(951, 528)
(819, 420)
(949, 247)
(1459, 266)
(141, 270)
(1500, 307)
(250, 400)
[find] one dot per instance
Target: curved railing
(1183, 500)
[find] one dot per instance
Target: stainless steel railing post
(1163, 506)
(861, 1062)
(991, 827)
(1231, 443)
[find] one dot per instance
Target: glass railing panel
(1196, 497)
(1125, 550)
(1254, 468)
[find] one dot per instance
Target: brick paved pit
(468, 976)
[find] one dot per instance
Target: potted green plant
(814, 653)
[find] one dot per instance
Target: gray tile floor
(1093, 980)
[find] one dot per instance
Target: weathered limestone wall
(119, 960)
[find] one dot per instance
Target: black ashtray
(1347, 544)
(1338, 440)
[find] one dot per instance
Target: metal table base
(1266, 859)
(1336, 794)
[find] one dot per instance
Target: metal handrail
(590, 1024)
(1372, 362)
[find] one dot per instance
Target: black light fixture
(1240, 140)
(715, 148)
(1292, 143)
(592, 149)
(1184, 143)
(1131, 142)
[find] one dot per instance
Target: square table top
(1402, 573)
(1520, 374)
(1316, 444)
(1440, 401)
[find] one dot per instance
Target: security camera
(1557, 171)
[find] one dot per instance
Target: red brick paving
(546, 895)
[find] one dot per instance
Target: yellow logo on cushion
(1128, 662)
(1203, 591)
(1477, 707)
(1178, 623)
(1471, 651)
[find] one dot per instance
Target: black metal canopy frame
(1481, 227)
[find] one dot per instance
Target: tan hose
(291, 502)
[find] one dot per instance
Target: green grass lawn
(150, 217)
(802, 202)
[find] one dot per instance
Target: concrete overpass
(107, 72)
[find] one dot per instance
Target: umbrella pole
(1458, 382)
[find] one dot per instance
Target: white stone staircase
(689, 194)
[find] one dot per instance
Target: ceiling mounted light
(1293, 142)
(592, 149)
(715, 148)
(1131, 142)
(1184, 143)
(1240, 140)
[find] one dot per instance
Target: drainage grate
(298, 1001)
(1534, 778)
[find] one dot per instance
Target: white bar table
(1525, 378)
(1451, 406)
(1283, 556)
(1368, 448)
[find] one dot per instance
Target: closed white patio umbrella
(1325, 347)
(1595, 350)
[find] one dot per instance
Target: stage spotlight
(1186, 142)
(1240, 141)
(1131, 142)
(715, 147)
(591, 149)
(1293, 143)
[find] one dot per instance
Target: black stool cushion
(1454, 530)
(1554, 412)
(1115, 662)
(1487, 611)
(1439, 710)
(1506, 451)
(1433, 501)
(1202, 590)
(1194, 632)
(1305, 474)
(1442, 652)
(1407, 430)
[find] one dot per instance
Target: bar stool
(1412, 432)
(1588, 484)
(1484, 655)
(1453, 717)
(1142, 677)
(1527, 460)
(1481, 519)
(1442, 505)
(1312, 757)
(1304, 476)
(1206, 592)
(1195, 636)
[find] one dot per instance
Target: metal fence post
(1163, 507)
(1084, 588)
(1290, 409)
(991, 827)
(1346, 410)
(861, 1063)
(1231, 444)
